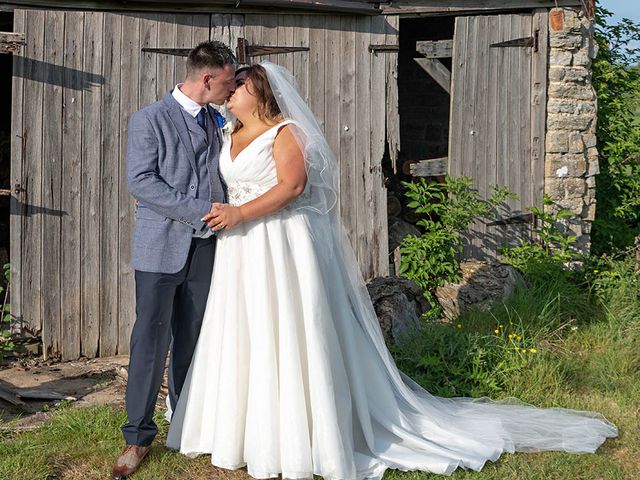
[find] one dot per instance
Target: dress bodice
(253, 171)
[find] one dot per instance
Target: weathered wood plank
(148, 79)
(110, 175)
(347, 94)
(433, 167)
(11, 42)
(377, 139)
(71, 185)
(316, 67)
(301, 59)
(539, 104)
(494, 98)
(269, 35)
(166, 64)
(363, 191)
(392, 29)
(184, 39)
(286, 27)
(90, 238)
(435, 49)
(129, 101)
(333, 125)
(34, 72)
(16, 217)
(52, 182)
(437, 70)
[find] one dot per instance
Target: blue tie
(202, 118)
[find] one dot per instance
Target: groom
(172, 171)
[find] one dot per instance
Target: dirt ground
(85, 382)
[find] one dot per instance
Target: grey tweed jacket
(162, 176)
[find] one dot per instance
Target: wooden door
(498, 108)
(345, 86)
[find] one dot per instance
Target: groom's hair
(210, 54)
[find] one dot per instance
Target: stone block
(565, 121)
(562, 105)
(569, 165)
(560, 58)
(554, 187)
(565, 40)
(571, 90)
(590, 141)
(576, 143)
(575, 187)
(557, 141)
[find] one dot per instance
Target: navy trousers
(169, 312)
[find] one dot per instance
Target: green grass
(585, 330)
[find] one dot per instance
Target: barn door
(75, 85)
(498, 119)
(345, 86)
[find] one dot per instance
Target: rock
(398, 229)
(483, 284)
(399, 303)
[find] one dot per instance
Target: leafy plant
(553, 250)
(616, 79)
(6, 343)
(446, 209)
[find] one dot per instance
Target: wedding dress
(291, 375)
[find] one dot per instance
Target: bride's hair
(268, 109)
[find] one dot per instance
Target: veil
(507, 425)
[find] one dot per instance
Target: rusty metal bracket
(520, 42)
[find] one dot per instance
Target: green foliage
(446, 210)
(6, 344)
(616, 78)
(553, 250)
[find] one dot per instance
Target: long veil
(488, 427)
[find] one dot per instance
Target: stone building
(497, 91)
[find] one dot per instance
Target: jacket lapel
(176, 118)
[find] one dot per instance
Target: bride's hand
(223, 215)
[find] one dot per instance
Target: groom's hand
(223, 215)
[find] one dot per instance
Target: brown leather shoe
(128, 461)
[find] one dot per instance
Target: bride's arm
(292, 178)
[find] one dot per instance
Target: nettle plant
(446, 210)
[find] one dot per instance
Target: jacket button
(192, 187)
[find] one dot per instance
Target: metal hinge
(383, 48)
(520, 42)
(244, 50)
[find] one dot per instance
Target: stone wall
(571, 154)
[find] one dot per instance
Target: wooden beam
(445, 7)
(433, 167)
(206, 6)
(435, 49)
(11, 42)
(437, 70)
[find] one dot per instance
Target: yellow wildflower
(532, 350)
(511, 336)
(516, 349)
(518, 338)
(459, 325)
(497, 331)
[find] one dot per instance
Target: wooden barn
(480, 88)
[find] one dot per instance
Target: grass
(585, 331)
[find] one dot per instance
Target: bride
(291, 375)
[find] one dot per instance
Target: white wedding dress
(288, 380)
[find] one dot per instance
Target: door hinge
(244, 50)
(520, 42)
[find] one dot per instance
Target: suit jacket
(162, 175)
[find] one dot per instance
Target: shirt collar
(188, 105)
